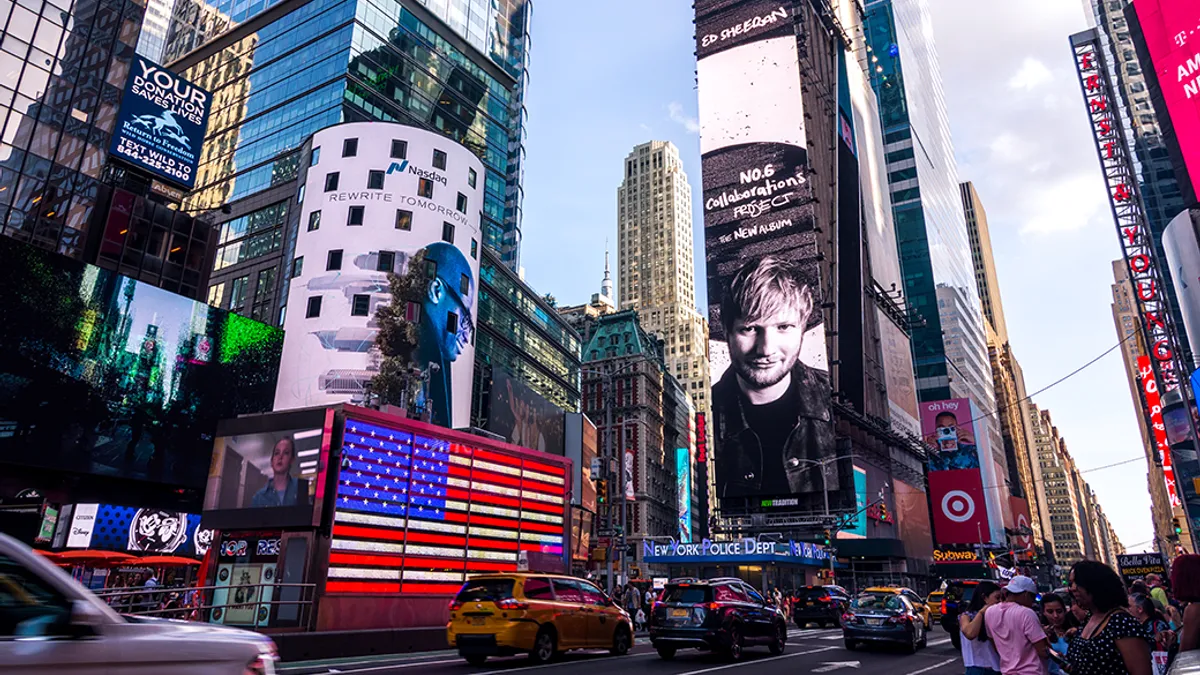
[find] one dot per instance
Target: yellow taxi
(541, 615)
(917, 601)
(934, 602)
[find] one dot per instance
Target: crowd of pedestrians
(1099, 627)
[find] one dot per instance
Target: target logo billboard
(959, 509)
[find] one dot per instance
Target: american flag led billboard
(417, 513)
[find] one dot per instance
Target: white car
(51, 624)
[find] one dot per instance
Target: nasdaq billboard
(162, 122)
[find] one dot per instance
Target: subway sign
(941, 555)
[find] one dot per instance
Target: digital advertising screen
(771, 399)
(267, 471)
(522, 416)
(683, 491)
(101, 374)
(129, 529)
(162, 122)
(960, 507)
(1171, 30)
(245, 584)
(419, 509)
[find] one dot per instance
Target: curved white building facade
(374, 195)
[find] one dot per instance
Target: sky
(605, 77)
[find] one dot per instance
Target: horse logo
(165, 125)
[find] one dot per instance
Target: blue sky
(608, 76)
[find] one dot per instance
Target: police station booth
(763, 564)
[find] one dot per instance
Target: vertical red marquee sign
(1137, 246)
(1157, 428)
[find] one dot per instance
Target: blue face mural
(162, 123)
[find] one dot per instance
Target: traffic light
(828, 538)
(602, 491)
(1176, 526)
(883, 514)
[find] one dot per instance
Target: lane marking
(933, 667)
(756, 662)
(380, 659)
(939, 642)
(390, 666)
(566, 663)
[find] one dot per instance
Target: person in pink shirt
(1016, 631)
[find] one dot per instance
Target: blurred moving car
(917, 601)
(958, 594)
(882, 617)
(934, 601)
(539, 614)
(822, 604)
(49, 623)
(722, 615)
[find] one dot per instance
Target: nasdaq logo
(397, 167)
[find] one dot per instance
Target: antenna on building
(606, 288)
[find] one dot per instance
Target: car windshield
(813, 593)
(687, 594)
(877, 601)
(486, 590)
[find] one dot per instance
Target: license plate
(679, 613)
(874, 622)
(476, 620)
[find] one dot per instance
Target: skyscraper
(655, 262)
(451, 67)
(935, 252)
(1056, 488)
(983, 259)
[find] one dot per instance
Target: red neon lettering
(1108, 149)
(1130, 234)
(1139, 263)
(1093, 82)
(1122, 193)
(1105, 127)
(1152, 320)
(1147, 291)
(1087, 60)
(1162, 350)
(1098, 104)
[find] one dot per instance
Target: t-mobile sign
(1172, 32)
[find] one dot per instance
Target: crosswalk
(816, 634)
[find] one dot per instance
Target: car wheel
(851, 645)
(477, 659)
(924, 637)
(543, 646)
(621, 642)
(820, 624)
(956, 640)
(911, 647)
(780, 642)
(666, 653)
(737, 644)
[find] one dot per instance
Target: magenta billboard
(1171, 29)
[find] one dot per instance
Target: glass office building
(281, 72)
(931, 232)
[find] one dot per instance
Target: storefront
(763, 564)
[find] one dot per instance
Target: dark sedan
(884, 618)
(822, 604)
(723, 615)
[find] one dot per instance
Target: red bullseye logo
(958, 506)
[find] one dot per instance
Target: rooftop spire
(606, 286)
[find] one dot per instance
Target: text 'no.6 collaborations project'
(771, 397)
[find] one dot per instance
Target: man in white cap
(1015, 630)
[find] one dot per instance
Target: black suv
(723, 615)
(958, 594)
(822, 604)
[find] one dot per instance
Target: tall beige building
(656, 263)
(1125, 317)
(983, 261)
(1058, 498)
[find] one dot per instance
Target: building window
(300, 195)
(331, 181)
(355, 215)
(361, 305)
(216, 294)
(314, 156)
(471, 177)
(297, 267)
(387, 261)
(462, 203)
(451, 322)
(448, 232)
(237, 294)
(464, 284)
(334, 260)
(314, 307)
(314, 220)
(403, 220)
(474, 248)
(264, 290)
(374, 180)
(399, 149)
(425, 188)
(439, 160)
(350, 147)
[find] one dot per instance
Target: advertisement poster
(162, 122)
(245, 580)
(1137, 565)
(859, 531)
(960, 507)
(386, 245)
(1019, 508)
(898, 376)
(1172, 32)
(522, 416)
(268, 470)
(771, 406)
(683, 491)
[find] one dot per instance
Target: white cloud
(1066, 205)
(691, 124)
(1010, 148)
(1031, 75)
